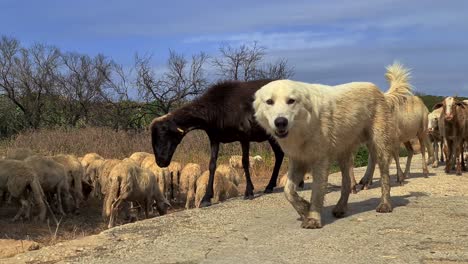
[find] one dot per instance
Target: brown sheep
(229, 173)
(53, 179)
(188, 179)
(75, 173)
(236, 162)
(175, 169)
(100, 183)
(131, 183)
(138, 157)
(15, 178)
(88, 158)
(19, 153)
(163, 176)
(223, 188)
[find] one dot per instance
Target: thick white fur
(411, 115)
(327, 123)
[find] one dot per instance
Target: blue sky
(328, 42)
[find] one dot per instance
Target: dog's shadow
(368, 205)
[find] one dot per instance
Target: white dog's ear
(256, 103)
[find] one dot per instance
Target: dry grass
(112, 144)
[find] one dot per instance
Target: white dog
(317, 124)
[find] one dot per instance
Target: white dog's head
(279, 105)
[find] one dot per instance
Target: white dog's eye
(291, 101)
(270, 102)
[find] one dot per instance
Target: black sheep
(225, 113)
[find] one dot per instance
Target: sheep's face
(449, 107)
(433, 121)
(166, 136)
(278, 106)
(162, 206)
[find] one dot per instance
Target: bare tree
(28, 76)
(181, 81)
(246, 63)
(81, 85)
(276, 71)
(239, 63)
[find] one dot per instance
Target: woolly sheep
(163, 176)
(19, 153)
(15, 178)
(101, 178)
(229, 173)
(88, 158)
(175, 169)
(236, 161)
(222, 187)
(188, 178)
(131, 183)
(52, 177)
(138, 157)
(75, 173)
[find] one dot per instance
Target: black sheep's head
(165, 137)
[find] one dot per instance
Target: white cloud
(282, 40)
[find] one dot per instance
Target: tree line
(43, 87)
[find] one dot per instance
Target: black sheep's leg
(246, 164)
(206, 201)
(279, 155)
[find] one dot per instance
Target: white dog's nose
(281, 123)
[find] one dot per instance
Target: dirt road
(429, 224)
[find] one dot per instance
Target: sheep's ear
(438, 105)
(174, 127)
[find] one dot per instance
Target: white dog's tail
(398, 77)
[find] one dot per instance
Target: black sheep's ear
(175, 128)
(436, 106)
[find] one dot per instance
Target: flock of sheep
(61, 183)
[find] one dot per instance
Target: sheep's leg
(296, 174)
(449, 155)
(346, 167)
(147, 205)
(59, 200)
(463, 167)
(190, 199)
(279, 155)
(422, 142)
(442, 150)
(313, 218)
(206, 201)
(114, 212)
(457, 158)
(435, 145)
(24, 209)
(410, 150)
(249, 188)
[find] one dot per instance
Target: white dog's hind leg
(385, 205)
(346, 167)
(319, 188)
(366, 180)
(295, 176)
